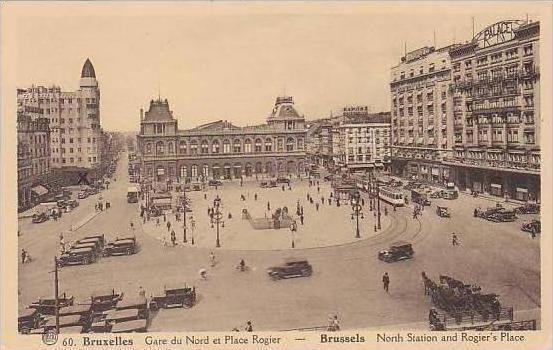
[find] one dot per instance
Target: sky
(229, 60)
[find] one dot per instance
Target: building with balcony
(76, 141)
(220, 150)
(319, 142)
(421, 111)
(33, 156)
(496, 119)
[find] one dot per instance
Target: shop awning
(523, 190)
(495, 185)
(39, 190)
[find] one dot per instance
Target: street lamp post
(56, 295)
(217, 216)
(356, 207)
(184, 214)
(378, 202)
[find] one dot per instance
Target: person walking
(268, 206)
(330, 201)
(164, 217)
(212, 259)
(454, 240)
(386, 281)
(141, 292)
(157, 221)
(318, 189)
(173, 238)
(23, 256)
(168, 225)
(301, 218)
(132, 226)
(317, 206)
(255, 196)
(249, 326)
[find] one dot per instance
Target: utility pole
(56, 292)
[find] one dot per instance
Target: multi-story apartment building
(33, 156)
(319, 141)
(220, 149)
(366, 143)
(76, 141)
(421, 115)
(495, 94)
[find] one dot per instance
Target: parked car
(268, 184)
(528, 208)
(121, 246)
(47, 305)
(62, 203)
(283, 180)
(215, 183)
(95, 238)
(397, 251)
(82, 194)
(103, 300)
(77, 256)
(533, 226)
(291, 269)
(39, 218)
(443, 212)
(92, 191)
(28, 319)
(174, 296)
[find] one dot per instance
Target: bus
(132, 195)
(392, 196)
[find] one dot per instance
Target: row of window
(64, 160)
(72, 140)
(498, 156)
(72, 150)
(224, 147)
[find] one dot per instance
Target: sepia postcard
(276, 175)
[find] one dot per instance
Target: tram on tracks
(392, 195)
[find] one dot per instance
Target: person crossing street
(386, 281)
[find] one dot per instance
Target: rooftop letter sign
(497, 33)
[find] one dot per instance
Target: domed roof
(88, 70)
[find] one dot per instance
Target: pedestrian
(192, 222)
(168, 225)
(322, 200)
(164, 241)
(23, 256)
(301, 219)
(454, 240)
(255, 197)
(132, 226)
(330, 201)
(212, 259)
(157, 221)
(475, 212)
(205, 195)
(173, 238)
(335, 324)
(362, 201)
(268, 206)
(141, 292)
(386, 281)
(317, 206)
(249, 326)
(318, 189)
(164, 217)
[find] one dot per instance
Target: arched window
(194, 147)
(248, 146)
(290, 144)
(300, 143)
(159, 148)
(215, 146)
(205, 170)
(258, 145)
(182, 147)
(183, 172)
(170, 147)
(194, 171)
(226, 146)
(237, 146)
(268, 145)
(149, 148)
(205, 147)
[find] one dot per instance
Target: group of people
(25, 256)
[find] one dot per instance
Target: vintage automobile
(268, 184)
(283, 180)
(436, 194)
(528, 208)
(103, 300)
(533, 226)
(174, 296)
(290, 269)
(196, 186)
(39, 218)
(95, 238)
(397, 251)
(92, 191)
(82, 194)
(77, 256)
(139, 303)
(502, 215)
(215, 183)
(121, 246)
(28, 319)
(420, 196)
(443, 212)
(47, 306)
(134, 326)
(71, 203)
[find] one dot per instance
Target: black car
(39, 218)
(283, 180)
(397, 251)
(215, 183)
(77, 256)
(28, 319)
(291, 269)
(174, 296)
(121, 246)
(528, 208)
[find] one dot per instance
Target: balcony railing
(532, 167)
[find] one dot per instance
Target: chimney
(141, 114)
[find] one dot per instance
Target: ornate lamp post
(217, 218)
(356, 207)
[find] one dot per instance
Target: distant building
(495, 93)
(33, 156)
(220, 150)
(77, 140)
(421, 115)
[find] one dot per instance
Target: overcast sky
(230, 60)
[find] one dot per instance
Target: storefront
(496, 189)
(521, 194)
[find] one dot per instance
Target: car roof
(81, 250)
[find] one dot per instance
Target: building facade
(220, 150)
(421, 113)
(495, 93)
(33, 156)
(76, 141)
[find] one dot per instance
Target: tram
(392, 196)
